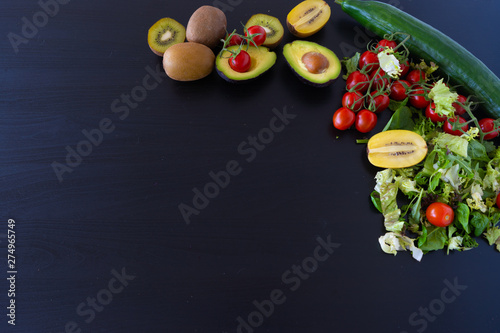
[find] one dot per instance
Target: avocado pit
(315, 62)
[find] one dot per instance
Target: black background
(118, 208)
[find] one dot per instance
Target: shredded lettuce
(476, 199)
(443, 99)
(389, 63)
(393, 242)
(454, 143)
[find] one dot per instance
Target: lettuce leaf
(393, 242)
(453, 143)
(443, 99)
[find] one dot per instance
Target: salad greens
(461, 171)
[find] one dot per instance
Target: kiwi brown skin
(188, 61)
(207, 25)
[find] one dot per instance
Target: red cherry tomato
(440, 214)
(418, 98)
(378, 101)
(352, 100)
(459, 109)
(379, 81)
(368, 61)
(448, 126)
(365, 121)
(357, 81)
(498, 200)
(405, 67)
(399, 90)
(241, 62)
(386, 43)
(343, 118)
(415, 76)
(235, 40)
(488, 125)
(432, 115)
(260, 32)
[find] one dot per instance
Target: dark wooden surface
(116, 213)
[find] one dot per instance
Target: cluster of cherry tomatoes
(240, 60)
(370, 89)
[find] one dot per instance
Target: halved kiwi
(165, 33)
(272, 25)
(308, 17)
(396, 149)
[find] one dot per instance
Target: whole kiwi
(207, 25)
(188, 61)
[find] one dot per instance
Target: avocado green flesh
(294, 52)
(261, 60)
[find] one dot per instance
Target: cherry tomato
(386, 43)
(418, 98)
(488, 125)
(405, 67)
(368, 61)
(378, 101)
(498, 200)
(440, 214)
(235, 40)
(415, 76)
(241, 62)
(352, 100)
(343, 118)
(399, 90)
(459, 109)
(357, 81)
(258, 39)
(379, 81)
(432, 115)
(365, 121)
(448, 126)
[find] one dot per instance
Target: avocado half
(261, 57)
(314, 64)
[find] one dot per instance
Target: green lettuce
(453, 143)
(393, 242)
(443, 99)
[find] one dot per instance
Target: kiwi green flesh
(272, 25)
(165, 33)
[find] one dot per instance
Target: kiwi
(396, 149)
(165, 33)
(272, 25)
(207, 25)
(308, 17)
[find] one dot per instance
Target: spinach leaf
(480, 222)
(375, 196)
(462, 217)
(436, 239)
(402, 119)
(414, 217)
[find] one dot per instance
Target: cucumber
(428, 43)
